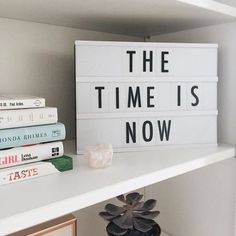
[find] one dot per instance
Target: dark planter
(155, 231)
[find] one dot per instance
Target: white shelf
(31, 202)
(126, 17)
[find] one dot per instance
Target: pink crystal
(99, 156)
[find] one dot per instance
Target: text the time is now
(145, 94)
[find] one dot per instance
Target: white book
(34, 170)
(28, 117)
(20, 102)
(27, 154)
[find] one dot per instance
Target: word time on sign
(152, 97)
(141, 96)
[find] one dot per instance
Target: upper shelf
(131, 17)
(231, 3)
(31, 202)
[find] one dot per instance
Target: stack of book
(30, 140)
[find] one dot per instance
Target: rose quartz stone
(99, 156)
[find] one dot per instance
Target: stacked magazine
(30, 139)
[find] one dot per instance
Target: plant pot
(155, 231)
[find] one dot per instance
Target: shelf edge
(212, 6)
(60, 208)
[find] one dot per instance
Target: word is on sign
(138, 95)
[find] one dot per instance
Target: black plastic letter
(195, 96)
(130, 132)
(145, 60)
(163, 62)
(145, 124)
(130, 60)
(99, 96)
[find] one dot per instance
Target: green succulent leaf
(121, 198)
(149, 205)
(147, 215)
(138, 206)
(125, 221)
(142, 225)
(106, 216)
(132, 198)
(148, 221)
(114, 210)
(134, 218)
(115, 230)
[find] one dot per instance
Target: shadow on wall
(49, 75)
(57, 85)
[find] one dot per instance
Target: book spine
(34, 170)
(28, 154)
(17, 137)
(21, 103)
(27, 117)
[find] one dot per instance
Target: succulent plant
(134, 218)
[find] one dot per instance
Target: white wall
(37, 59)
(198, 203)
(203, 202)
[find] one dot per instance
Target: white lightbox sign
(144, 95)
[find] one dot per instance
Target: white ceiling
(132, 17)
